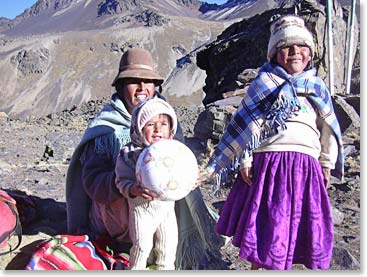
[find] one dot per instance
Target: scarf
(270, 100)
(110, 129)
(115, 116)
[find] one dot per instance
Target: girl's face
(136, 90)
(294, 59)
(157, 128)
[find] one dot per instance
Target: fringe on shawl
(283, 108)
(195, 256)
(199, 245)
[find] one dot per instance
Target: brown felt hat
(137, 63)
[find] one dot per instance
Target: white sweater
(306, 134)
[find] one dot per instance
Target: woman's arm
(98, 176)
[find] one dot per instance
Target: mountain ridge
(47, 16)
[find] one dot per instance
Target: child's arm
(125, 174)
(126, 181)
(329, 149)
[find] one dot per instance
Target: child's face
(157, 128)
(294, 59)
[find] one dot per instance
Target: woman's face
(294, 59)
(136, 90)
(157, 128)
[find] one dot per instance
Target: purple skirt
(284, 217)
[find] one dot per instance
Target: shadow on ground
(40, 215)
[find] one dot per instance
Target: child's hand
(197, 184)
(138, 190)
(246, 174)
(327, 173)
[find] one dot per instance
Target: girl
(278, 210)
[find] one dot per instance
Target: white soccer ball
(169, 168)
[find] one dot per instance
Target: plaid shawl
(270, 100)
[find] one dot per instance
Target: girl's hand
(138, 190)
(201, 178)
(204, 175)
(246, 174)
(327, 173)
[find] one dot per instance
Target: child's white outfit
(150, 222)
(146, 218)
(149, 219)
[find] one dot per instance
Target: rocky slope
(34, 157)
(60, 54)
(48, 73)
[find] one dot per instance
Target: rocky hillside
(47, 69)
(50, 16)
(238, 9)
(47, 73)
(60, 54)
(55, 16)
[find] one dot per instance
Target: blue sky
(212, 1)
(12, 8)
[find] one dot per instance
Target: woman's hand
(246, 174)
(327, 173)
(147, 194)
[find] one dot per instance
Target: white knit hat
(144, 112)
(286, 31)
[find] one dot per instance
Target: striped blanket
(66, 252)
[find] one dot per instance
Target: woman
(95, 206)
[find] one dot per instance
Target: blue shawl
(111, 123)
(270, 100)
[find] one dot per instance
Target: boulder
(243, 45)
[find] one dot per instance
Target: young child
(149, 220)
(287, 138)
